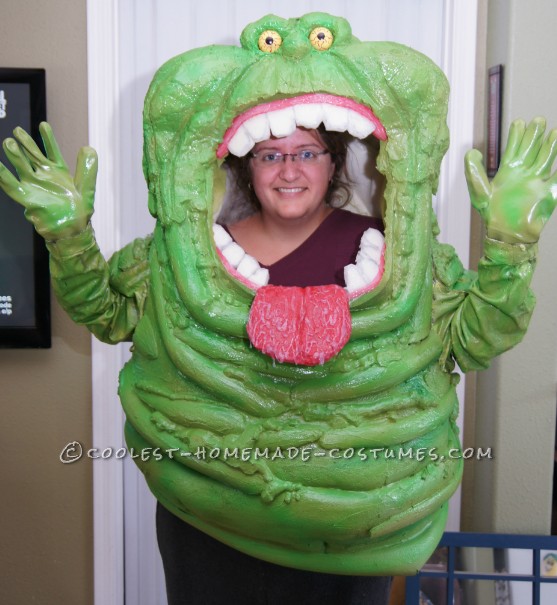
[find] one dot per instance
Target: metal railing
(448, 568)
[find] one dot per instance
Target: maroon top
(321, 258)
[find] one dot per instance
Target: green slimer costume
(344, 504)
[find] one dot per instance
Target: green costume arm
(108, 298)
(480, 315)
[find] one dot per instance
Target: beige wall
(516, 397)
(46, 551)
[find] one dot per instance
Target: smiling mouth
(291, 189)
(280, 119)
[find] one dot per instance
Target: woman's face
(292, 189)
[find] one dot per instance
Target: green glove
(58, 205)
(519, 200)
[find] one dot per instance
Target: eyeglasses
(275, 158)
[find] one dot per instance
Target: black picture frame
(494, 117)
(24, 274)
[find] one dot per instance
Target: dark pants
(200, 570)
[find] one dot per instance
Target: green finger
(86, 172)
(10, 185)
(531, 142)
(17, 158)
(547, 155)
(51, 145)
(30, 148)
(478, 183)
(516, 132)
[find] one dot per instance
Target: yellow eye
(269, 41)
(321, 38)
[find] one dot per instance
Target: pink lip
(366, 112)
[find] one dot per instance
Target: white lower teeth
(353, 278)
(364, 254)
(233, 254)
(368, 269)
(245, 264)
(356, 276)
(221, 236)
(248, 266)
(260, 277)
(373, 238)
(367, 261)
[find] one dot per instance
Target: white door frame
(104, 90)
(108, 489)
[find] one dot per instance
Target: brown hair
(338, 193)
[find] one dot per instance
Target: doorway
(128, 40)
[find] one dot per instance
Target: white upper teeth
(309, 115)
(283, 122)
(335, 118)
(258, 128)
(241, 142)
(358, 126)
(368, 260)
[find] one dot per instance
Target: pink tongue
(305, 326)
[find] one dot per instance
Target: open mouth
(283, 311)
(280, 119)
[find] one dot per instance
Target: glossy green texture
(518, 202)
(58, 205)
(342, 468)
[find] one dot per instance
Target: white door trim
(453, 203)
(108, 493)
(104, 92)
(459, 65)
